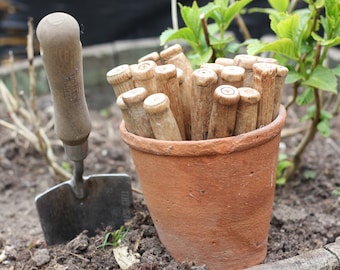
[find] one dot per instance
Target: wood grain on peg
(120, 78)
(264, 82)
(246, 116)
(218, 70)
(223, 114)
(233, 75)
(281, 74)
(125, 113)
(174, 55)
(140, 123)
(247, 62)
(162, 120)
(144, 76)
(167, 83)
(153, 56)
(203, 83)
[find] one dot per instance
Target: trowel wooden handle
(61, 50)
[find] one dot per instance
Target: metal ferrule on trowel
(77, 153)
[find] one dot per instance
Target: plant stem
(241, 24)
(313, 128)
(295, 94)
(243, 27)
(206, 36)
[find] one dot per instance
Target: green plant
(113, 238)
(207, 40)
(336, 192)
(283, 164)
(303, 39)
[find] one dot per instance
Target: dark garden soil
(306, 212)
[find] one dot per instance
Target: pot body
(211, 200)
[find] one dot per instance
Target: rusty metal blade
(108, 202)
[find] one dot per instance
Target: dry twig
(25, 116)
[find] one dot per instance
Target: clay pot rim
(205, 147)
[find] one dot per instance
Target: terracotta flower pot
(211, 200)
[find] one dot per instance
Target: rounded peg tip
(143, 70)
(225, 61)
(134, 96)
(214, 66)
(265, 68)
(282, 71)
(165, 71)
(204, 76)
(173, 50)
(156, 103)
(119, 74)
(226, 95)
(153, 56)
(249, 95)
(120, 103)
(232, 73)
(244, 60)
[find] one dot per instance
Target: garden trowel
(82, 203)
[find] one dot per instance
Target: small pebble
(41, 257)
(79, 244)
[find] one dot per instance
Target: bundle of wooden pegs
(162, 97)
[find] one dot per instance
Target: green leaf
(284, 46)
(230, 12)
(309, 174)
(322, 78)
(324, 128)
(306, 97)
(336, 192)
(191, 18)
(197, 59)
(166, 36)
(208, 9)
(325, 115)
(279, 5)
(327, 43)
(254, 46)
(287, 27)
(293, 77)
(332, 8)
(281, 181)
(336, 70)
(183, 33)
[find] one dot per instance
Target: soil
(305, 217)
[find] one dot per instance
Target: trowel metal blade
(107, 202)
